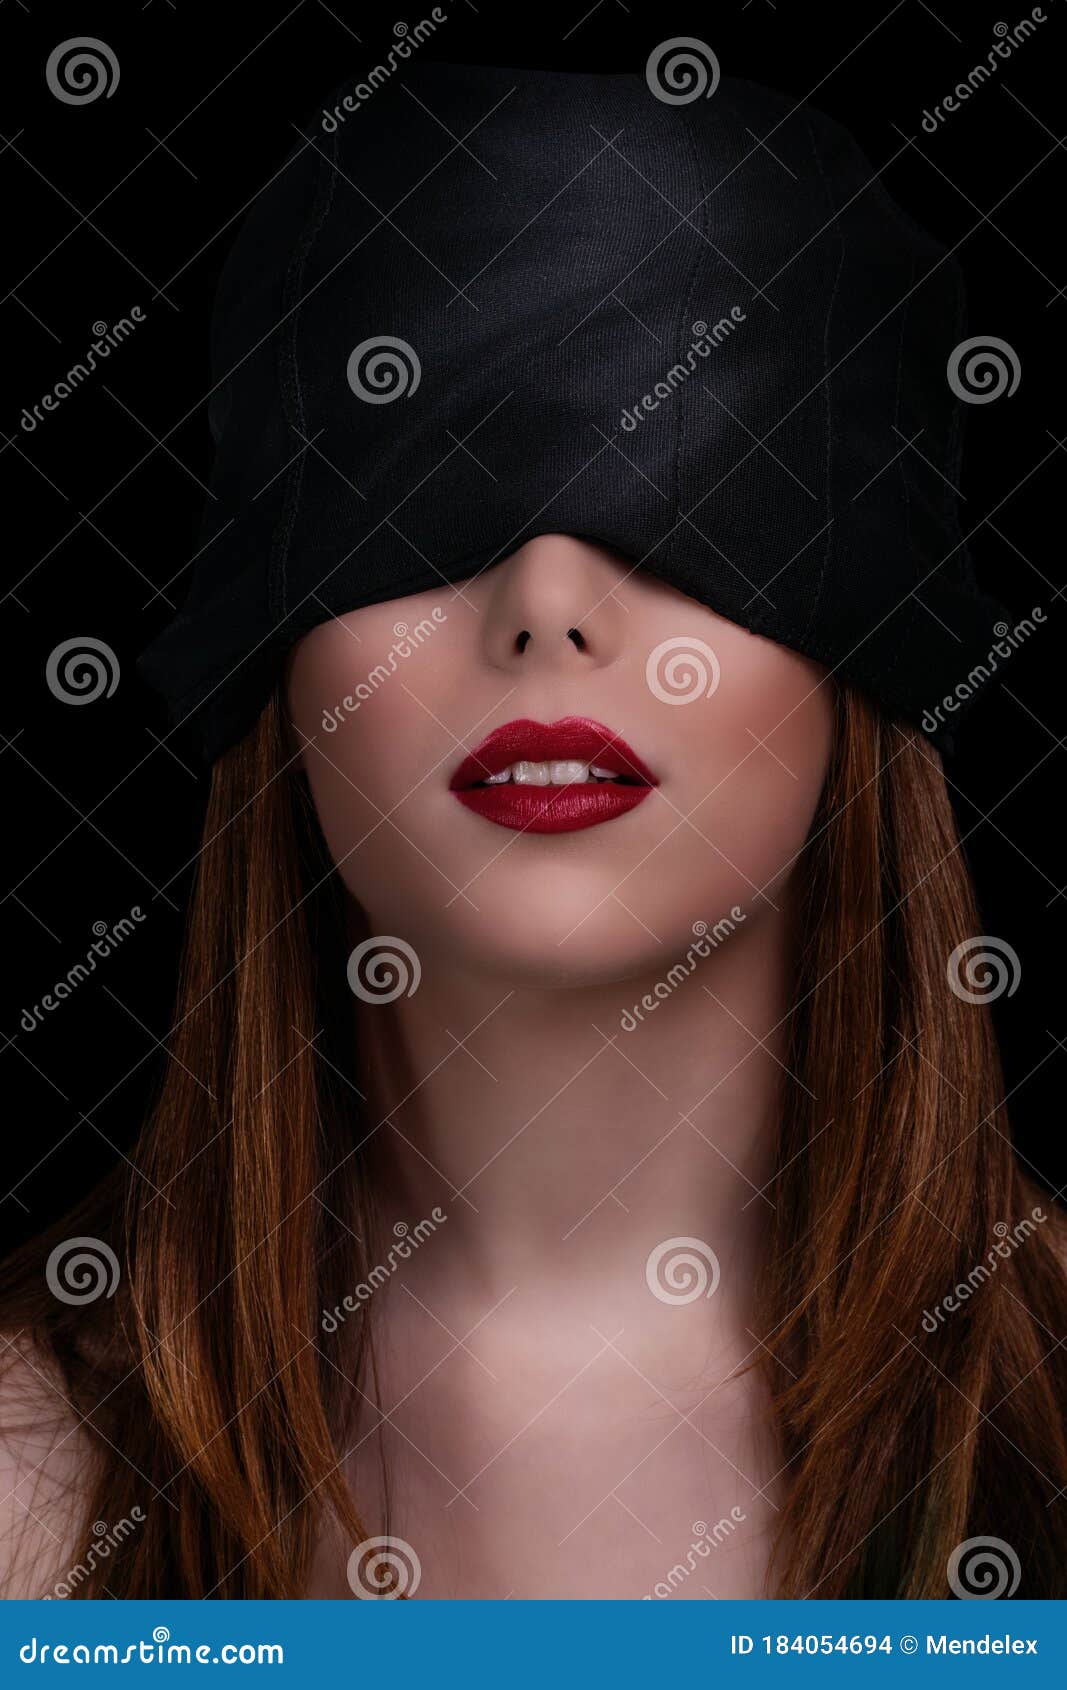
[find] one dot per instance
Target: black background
(133, 200)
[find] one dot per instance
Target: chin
(540, 962)
(541, 933)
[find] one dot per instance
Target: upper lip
(574, 738)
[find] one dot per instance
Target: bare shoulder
(45, 1465)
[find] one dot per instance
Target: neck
(567, 1133)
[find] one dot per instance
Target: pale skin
(556, 1428)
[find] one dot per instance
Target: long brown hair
(905, 1430)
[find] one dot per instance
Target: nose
(552, 607)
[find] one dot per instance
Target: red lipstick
(579, 799)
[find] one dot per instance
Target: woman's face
(549, 874)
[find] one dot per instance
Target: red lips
(552, 809)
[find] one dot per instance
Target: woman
(581, 1167)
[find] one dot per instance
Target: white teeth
(564, 772)
(567, 773)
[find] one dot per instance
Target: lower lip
(552, 809)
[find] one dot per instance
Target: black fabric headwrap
(479, 304)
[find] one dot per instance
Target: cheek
(366, 780)
(756, 755)
(368, 745)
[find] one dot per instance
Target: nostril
(522, 640)
(575, 635)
